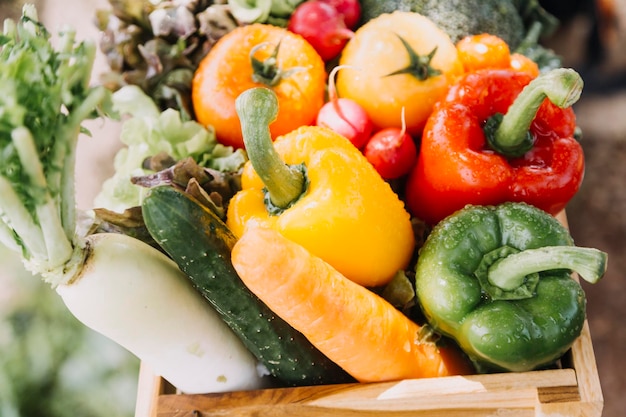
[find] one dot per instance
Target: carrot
(354, 327)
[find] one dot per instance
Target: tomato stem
(509, 134)
(257, 108)
(267, 71)
(419, 65)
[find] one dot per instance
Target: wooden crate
(572, 390)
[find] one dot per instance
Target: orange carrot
(360, 331)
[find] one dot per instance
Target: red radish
(391, 151)
(345, 116)
(349, 9)
(322, 26)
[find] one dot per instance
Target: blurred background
(592, 39)
(51, 364)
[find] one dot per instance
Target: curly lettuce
(157, 45)
(146, 132)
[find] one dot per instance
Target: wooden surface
(572, 391)
(468, 396)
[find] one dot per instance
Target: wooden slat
(520, 402)
(149, 388)
(584, 362)
(473, 395)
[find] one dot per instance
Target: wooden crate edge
(584, 362)
(149, 387)
(574, 391)
(522, 394)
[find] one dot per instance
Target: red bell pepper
(474, 153)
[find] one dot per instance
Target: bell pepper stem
(257, 108)
(509, 272)
(509, 134)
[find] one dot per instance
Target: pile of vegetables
(370, 201)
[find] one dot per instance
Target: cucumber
(200, 243)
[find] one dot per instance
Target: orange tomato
(522, 63)
(382, 47)
(227, 70)
(485, 51)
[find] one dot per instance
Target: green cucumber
(200, 243)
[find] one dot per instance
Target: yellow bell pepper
(318, 190)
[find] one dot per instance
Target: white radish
(136, 296)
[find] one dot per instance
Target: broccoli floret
(459, 18)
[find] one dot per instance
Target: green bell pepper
(497, 280)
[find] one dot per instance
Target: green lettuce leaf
(147, 132)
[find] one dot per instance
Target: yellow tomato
(390, 67)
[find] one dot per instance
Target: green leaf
(147, 132)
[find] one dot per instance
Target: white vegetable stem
(58, 246)
(135, 295)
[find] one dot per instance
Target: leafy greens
(37, 148)
(149, 132)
